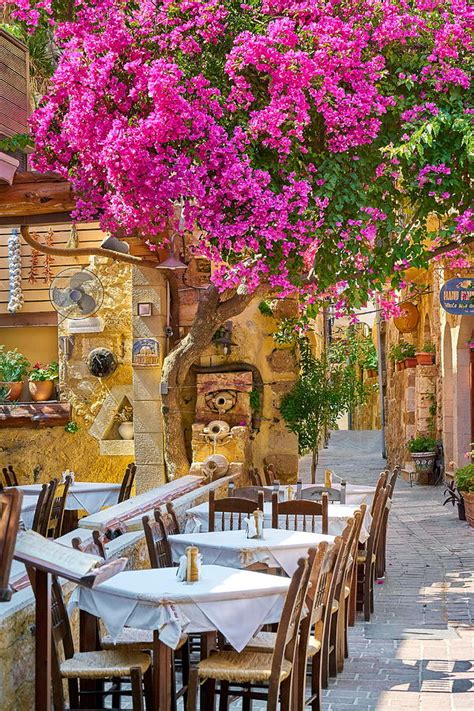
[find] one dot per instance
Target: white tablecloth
(90, 496)
(127, 516)
(356, 494)
(197, 519)
(278, 548)
(236, 603)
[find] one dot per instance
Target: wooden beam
(36, 194)
(45, 219)
(22, 320)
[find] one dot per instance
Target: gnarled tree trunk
(213, 310)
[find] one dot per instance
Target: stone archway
(448, 400)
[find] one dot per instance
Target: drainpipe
(381, 362)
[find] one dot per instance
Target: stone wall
(51, 450)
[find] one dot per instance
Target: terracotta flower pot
(424, 358)
(371, 373)
(410, 362)
(424, 462)
(468, 498)
(14, 390)
(41, 390)
(400, 365)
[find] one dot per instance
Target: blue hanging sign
(457, 296)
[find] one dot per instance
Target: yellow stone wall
(51, 448)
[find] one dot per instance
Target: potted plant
(396, 355)
(370, 361)
(427, 355)
(409, 354)
(125, 419)
(13, 368)
(42, 381)
(423, 453)
(453, 496)
(464, 479)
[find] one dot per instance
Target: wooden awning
(35, 199)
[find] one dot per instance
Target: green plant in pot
(13, 368)
(370, 359)
(427, 354)
(454, 497)
(464, 479)
(403, 355)
(423, 453)
(42, 381)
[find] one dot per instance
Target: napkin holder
(254, 524)
(290, 493)
(189, 568)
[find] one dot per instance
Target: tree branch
(85, 251)
(451, 245)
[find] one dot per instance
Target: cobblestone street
(418, 650)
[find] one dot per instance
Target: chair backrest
(321, 562)
(378, 515)
(43, 507)
(300, 514)
(10, 476)
(288, 627)
(170, 520)
(233, 510)
(381, 483)
(251, 492)
(269, 474)
(159, 550)
(96, 547)
(314, 493)
(10, 507)
(255, 478)
(54, 525)
(127, 483)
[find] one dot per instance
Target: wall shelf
(35, 414)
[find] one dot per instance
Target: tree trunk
(211, 313)
(314, 464)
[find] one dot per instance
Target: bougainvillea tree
(306, 141)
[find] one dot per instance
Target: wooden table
(224, 600)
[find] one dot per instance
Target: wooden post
(43, 642)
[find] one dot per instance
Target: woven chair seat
(347, 591)
(262, 642)
(314, 646)
(241, 668)
(103, 665)
(130, 637)
(335, 607)
(361, 558)
(134, 638)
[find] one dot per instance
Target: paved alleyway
(418, 650)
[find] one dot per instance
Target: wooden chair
(314, 493)
(54, 525)
(170, 520)
(86, 666)
(240, 673)
(299, 511)
(255, 478)
(381, 484)
(352, 606)
(43, 508)
(159, 551)
(382, 549)
(366, 559)
(251, 492)
(127, 483)
(9, 476)
(231, 508)
(10, 507)
(97, 547)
